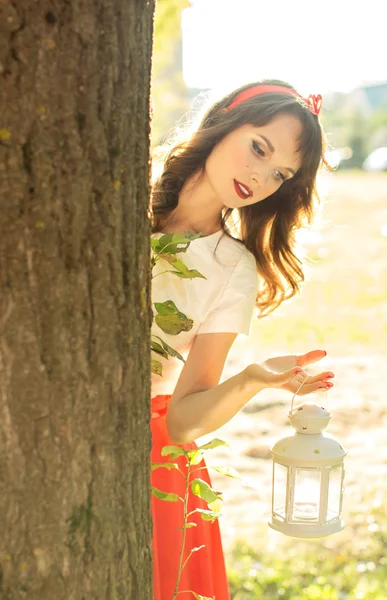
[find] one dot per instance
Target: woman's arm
(199, 405)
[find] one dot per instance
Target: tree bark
(75, 315)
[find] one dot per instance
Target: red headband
(313, 103)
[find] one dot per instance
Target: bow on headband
(313, 103)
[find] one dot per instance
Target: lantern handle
(298, 389)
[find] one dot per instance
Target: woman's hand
(286, 372)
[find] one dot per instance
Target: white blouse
(221, 303)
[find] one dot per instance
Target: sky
(317, 46)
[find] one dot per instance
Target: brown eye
(279, 176)
(257, 149)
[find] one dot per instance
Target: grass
(356, 569)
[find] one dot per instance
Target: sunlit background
(318, 46)
(203, 48)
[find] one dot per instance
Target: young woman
(254, 157)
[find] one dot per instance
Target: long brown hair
(267, 228)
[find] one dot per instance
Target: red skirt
(205, 571)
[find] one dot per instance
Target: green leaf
(166, 465)
(191, 274)
(184, 271)
(199, 596)
(207, 515)
(174, 451)
(166, 308)
(168, 497)
(172, 243)
(156, 347)
(157, 367)
(170, 319)
(174, 324)
(216, 505)
(191, 236)
(154, 244)
(188, 526)
(170, 258)
(201, 489)
(169, 349)
(215, 443)
(195, 457)
(228, 471)
(179, 265)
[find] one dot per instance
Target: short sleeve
(234, 311)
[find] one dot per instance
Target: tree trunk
(75, 520)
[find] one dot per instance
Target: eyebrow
(271, 148)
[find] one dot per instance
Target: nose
(260, 179)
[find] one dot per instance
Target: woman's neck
(198, 209)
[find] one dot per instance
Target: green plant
(200, 488)
(172, 321)
(167, 315)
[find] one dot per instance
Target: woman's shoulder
(235, 249)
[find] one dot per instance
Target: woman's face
(251, 163)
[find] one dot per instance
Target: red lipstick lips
(242, 190)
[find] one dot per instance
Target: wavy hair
(267, 228)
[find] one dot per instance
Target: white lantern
(308, 474)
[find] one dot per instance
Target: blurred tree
(357, 138)
(74, 295)
(334, 119)
(349, 125)
(378, 127)
(170, 99)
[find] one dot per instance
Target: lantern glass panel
(306, 505)
(334, 493)
(280, 481)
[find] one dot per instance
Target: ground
(343, 309)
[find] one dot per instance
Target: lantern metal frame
(300, 444)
